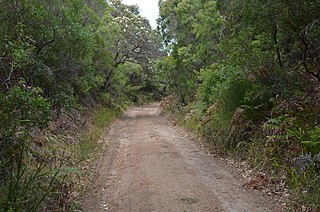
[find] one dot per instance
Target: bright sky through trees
(148, 9)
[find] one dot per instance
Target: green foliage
(190, 30)
(305, 180)
(257, 102)
(130, 82)
(23, 111)
(164, 71)
(56, 56)
(222, 92)
(308, 138)
(222, 83)
(74, 55)
(89, 140)
(246, 76)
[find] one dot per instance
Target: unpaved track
(150, 166)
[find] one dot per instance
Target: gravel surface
(149, 165)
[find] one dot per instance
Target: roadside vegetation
(67, 69)
(245, 75)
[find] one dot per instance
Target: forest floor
(150, 165)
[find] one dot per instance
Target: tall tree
(135, 40)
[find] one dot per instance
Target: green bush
(222, 95)
(23, 112)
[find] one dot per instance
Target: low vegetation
(67, 69)
(245, 76)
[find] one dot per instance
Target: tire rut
(150, 166)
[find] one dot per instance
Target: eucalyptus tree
(191, 30)
(135, 40)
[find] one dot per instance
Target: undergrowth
(44, 170)
(286, 146)
(88, 141)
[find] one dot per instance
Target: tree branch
(47, 43)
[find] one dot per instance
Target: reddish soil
(150, 166)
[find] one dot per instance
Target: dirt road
(150, 166)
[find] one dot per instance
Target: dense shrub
(251, 75)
